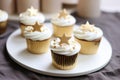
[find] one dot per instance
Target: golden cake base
(3, 26)
(88, 47)
(60, 30)
(38, 47)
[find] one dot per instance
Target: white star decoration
(63, 13)
(32, 11)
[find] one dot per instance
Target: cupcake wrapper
(88, 47)
(60, 30)
(22, 27)
(38, 47)
(3, 26)
(64, 62)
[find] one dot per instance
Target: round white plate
(16, 46)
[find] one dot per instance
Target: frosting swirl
(88, 32)
(63, 19)
(30, 17)
(65, 49)
(37, 35)
(3, 16)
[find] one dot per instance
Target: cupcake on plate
(64, 52)
(3, 21)
(37, 38)
(63, 22)
(29, 18)
(89, 37)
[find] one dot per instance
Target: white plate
(16, 46)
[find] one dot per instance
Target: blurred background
(85, 8)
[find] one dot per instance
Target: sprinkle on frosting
(64, 39)
(33, 11)
(38, 26)
(63, 13)
(70, 48)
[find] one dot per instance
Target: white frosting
(63, 21)
(65, 49)
(37, 35)
(88, 32)
(31, 16)
(3, 16)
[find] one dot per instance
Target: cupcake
(29, 18)
(37, 38)
(62, 23)
(3, 21)
(89, 37)
(64, 52)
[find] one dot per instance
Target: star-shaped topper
(64, 39)
(32, 11)
(63, 13)
(87, 27)
(37, 26)
(87, 24)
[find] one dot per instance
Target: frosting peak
(37, 32)
(3, 15)
(31, 16)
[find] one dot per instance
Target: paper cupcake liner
(64, 62)
(88, 47)
(3, 26)
(38, 47)
(60, 30)
(22, 27)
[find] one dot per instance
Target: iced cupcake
(29, 18)
(89, 37)
(63, 22)
(64, 52)
(37, 38)
(3, 21)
